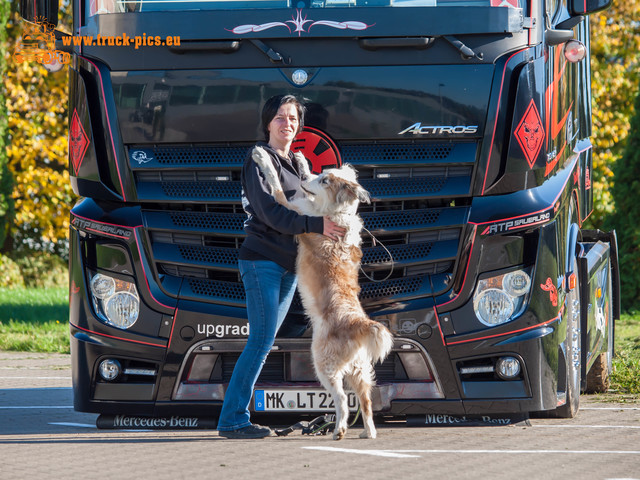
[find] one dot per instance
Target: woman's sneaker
(251, 431)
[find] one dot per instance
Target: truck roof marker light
(574, 51)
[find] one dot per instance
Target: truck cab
(469, 123)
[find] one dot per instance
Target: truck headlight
(116, 301)
(498, 298)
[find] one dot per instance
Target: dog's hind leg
(361, 380)
(334, 386)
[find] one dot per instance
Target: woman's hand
(333, 230)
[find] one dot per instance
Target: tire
(573, 353)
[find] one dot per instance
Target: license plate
(298, 401)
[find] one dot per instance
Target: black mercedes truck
(468, 121)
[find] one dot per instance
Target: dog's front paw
(339, 433)
(260, 156)
(303, 166)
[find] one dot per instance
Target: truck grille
(193, 218)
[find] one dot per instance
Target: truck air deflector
(381, 21)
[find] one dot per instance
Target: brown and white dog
(345, 343)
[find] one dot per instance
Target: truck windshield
(98, 7)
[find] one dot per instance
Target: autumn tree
(36, 148)
(625, 193)
(6, 182)
(615, 66)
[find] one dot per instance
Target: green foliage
(615, 67)
(43, 270)
(625, 377)
(625, 219)
(10, 275)
(36, 147)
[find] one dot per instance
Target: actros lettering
(418, 129)
(220, 331)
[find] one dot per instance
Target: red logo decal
(530, 133)
(78, 142)
(504, 3)
(553, 291)
(318, 148)
(587, 178)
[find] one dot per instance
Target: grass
(34, 320)
(625, 377)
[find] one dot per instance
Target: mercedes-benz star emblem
(299, 77)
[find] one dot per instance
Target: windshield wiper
(274, 56)
(465, 51)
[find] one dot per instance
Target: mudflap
(600, 303)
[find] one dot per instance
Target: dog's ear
(363, 195)
(351, 191)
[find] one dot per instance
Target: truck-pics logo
(419, 129)
(38, 44)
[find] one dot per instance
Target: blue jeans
(269, 289)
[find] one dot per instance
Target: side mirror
(40, 11)
(585, 7)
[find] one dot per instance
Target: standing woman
(267, 258)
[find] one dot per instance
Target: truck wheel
(573, 352)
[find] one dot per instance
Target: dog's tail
(379, 341)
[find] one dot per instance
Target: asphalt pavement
(42, 437)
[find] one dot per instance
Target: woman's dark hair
(272, 106)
